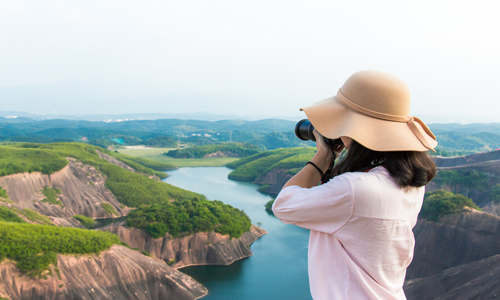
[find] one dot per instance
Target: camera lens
(304, 130)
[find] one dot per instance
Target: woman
(361, 220)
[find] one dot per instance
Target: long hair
(408, 168)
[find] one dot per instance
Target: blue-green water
(278, 267)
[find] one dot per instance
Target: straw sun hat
(372, 108)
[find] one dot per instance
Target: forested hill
(454, 139)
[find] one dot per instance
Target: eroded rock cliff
(454, 240)
(475, 280)
(82, 187)
(202, 248)
(117, 273)
(456, 258)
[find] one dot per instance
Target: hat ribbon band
(411, 121)
(366, 111)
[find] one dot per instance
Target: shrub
(34, 217)
(440, 203)
(85, 221)
(3, 193)
(51, 194)
(109, 208)
(6, 214)
(269, 206)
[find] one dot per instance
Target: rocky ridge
(201, 248)
(455, 258)
(117, 273)
(82, 187)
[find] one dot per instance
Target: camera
(304, 131)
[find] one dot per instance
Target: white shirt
(361, 238)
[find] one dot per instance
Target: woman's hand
(324, 156)
(309, 176)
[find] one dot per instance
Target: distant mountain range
(454, 139)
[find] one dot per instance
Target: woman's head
(408, 168)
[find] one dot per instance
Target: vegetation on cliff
(34, 247)
(85, 221)
(3, 195)
(290, 159)
(227, 149)
(26, 158)
(8, 215)
(440, 203)
(51, 194)
(14, 214)
(188, 216)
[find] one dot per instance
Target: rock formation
(117, 273)
(456, 258)
(475, 280)
(202, 248)
(454, 240)
(82, 187)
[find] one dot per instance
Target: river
(278, 267)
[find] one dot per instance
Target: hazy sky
(247, 58)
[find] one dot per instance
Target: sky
(252, 59)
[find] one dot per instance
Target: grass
(3, 196)
(29, 158)
(51, 194)
(156, 155)
(109, 208)
(85, 221)
(35, 247)
(8, 215)
(34, 217)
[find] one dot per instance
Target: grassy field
(155, 154)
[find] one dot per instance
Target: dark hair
(408, 168)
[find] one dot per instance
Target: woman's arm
(309, 176)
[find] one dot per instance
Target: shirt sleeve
(325, 208)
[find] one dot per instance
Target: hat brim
(333, 119)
